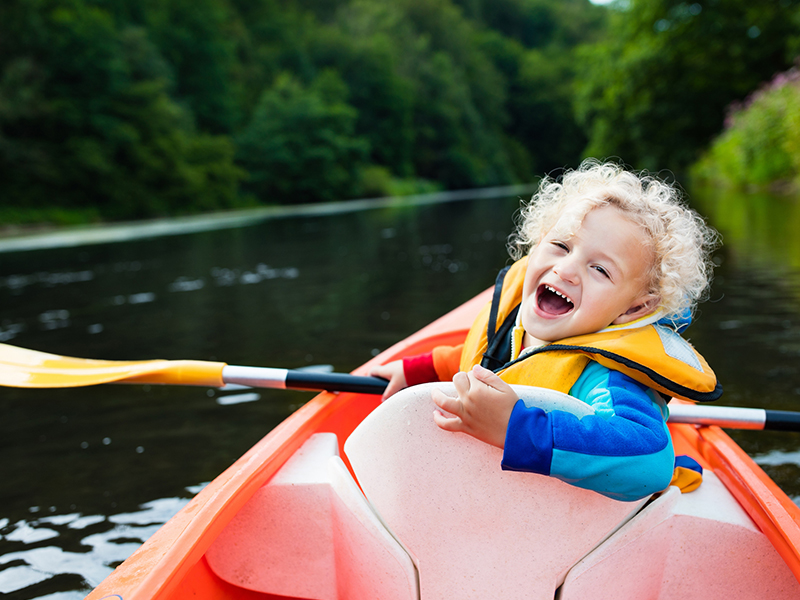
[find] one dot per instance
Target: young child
(610, 265)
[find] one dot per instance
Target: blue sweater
(623, 451)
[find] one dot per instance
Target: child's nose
(567, 271)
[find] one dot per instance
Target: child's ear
(642, 306)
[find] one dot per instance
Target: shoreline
(24, 238)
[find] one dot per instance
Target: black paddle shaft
(335, 382)
(782, 420)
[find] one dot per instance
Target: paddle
(20, 367)
(731, 417)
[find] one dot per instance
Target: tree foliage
(86, 119)
(760, 146)
(300, 144)
(655, 89)
(147, 107)
(134, 108)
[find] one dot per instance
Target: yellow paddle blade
(32, 369)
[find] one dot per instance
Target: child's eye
(560, 245)
(600, 269)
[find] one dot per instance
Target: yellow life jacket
(654, 355)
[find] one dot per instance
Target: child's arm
(481, 408)
(623, 451)
(438, 365)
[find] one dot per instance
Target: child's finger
(447, 423)
(489, 378)
(392, 388)
(462, 384)
(383, 371)
(446, 403)
(395, 376)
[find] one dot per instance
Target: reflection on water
(750, 331)
(85, 551)
(90, 473)
(758, 227)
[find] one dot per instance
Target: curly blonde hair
(681, 240)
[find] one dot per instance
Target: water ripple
(91, 558)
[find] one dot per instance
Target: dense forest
(120, 109)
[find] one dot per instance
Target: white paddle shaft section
(722, 416)
(260, 377)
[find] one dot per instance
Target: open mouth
(553, 302)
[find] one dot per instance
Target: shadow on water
(90, 473)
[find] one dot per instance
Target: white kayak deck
(438, 519)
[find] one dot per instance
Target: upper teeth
(556, 292)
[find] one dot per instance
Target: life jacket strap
(491, 327)
(496, 354)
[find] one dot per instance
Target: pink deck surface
(695, 546)
(475, 531)
(309, 533)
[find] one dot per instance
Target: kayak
(351, 498)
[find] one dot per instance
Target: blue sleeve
(623, 450)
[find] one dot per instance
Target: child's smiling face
(584, 283)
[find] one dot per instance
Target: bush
(760, 146)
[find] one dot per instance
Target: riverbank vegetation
(655, 89)
(760, 146)
(141, 108)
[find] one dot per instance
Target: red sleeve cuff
(419, 369)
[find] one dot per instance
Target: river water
(90, 473)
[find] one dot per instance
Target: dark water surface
(88, 474)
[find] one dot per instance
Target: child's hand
(392, 371)
(481, 409)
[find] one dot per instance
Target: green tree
(460, 110)
(365, 46)
(542, 132)
(299, 146)
(654, 91)
(440, 101)
(86, 120)
(760, 146)
(197, 38)
(532, 43)
(539, 23)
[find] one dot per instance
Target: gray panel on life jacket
(678, 348)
